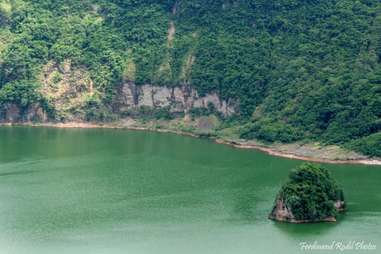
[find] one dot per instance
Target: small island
(310, 195)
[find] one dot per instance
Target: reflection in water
(21, 172)
(115, 191)
(305, 230)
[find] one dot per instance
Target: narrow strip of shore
(290, 155)
(234, 143)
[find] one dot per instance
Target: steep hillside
(277, 71)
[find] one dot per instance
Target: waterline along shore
(303, 152)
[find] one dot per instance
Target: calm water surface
(117, 191)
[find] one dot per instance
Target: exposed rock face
(281, 212)
(178, 99)
(35, 113)
(340, 205)
(13, 113)
(65, 88)
(68, 90)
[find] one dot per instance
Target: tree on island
(310, 195)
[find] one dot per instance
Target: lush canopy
(298, 69)
(311, 193)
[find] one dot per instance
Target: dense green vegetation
(298, 69)
(367, 145)
(311, 193)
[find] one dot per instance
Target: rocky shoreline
(271, 150)
(293, 151)
(282, 214)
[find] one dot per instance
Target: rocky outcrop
(66, 89)
(67, 100)
(311, 195)
(281, 212)
(177, 99)
(12, 113)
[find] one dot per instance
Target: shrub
(370, 145)
(269, 131)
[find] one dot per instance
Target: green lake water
(118, 191)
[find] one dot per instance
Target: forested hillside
(294, 69)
